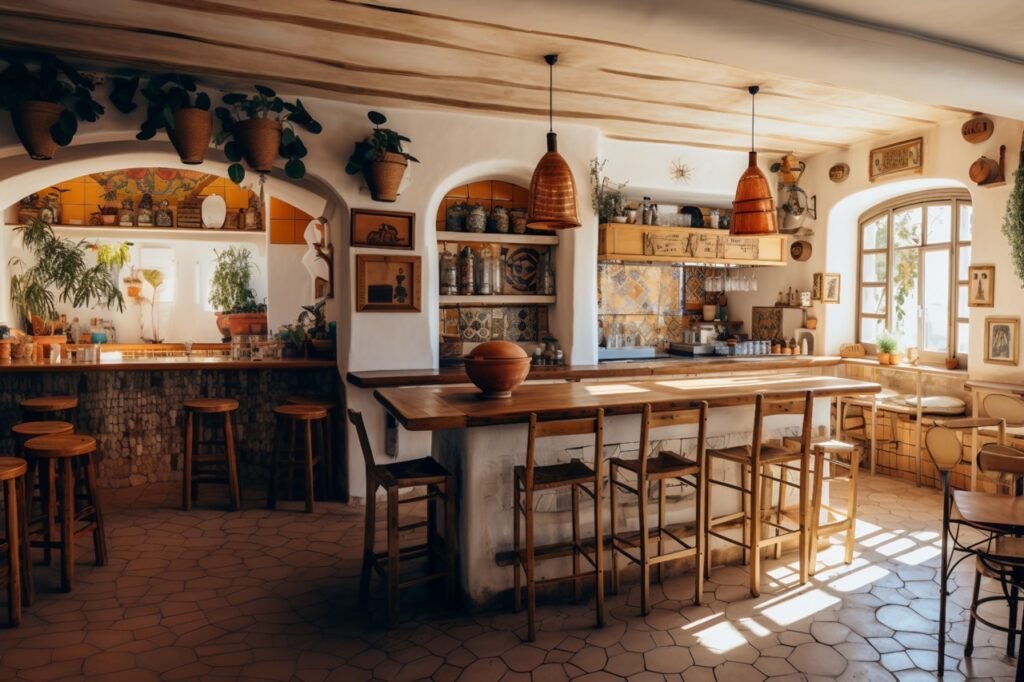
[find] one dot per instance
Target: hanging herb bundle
(1013, 220)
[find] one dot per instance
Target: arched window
(912, 275)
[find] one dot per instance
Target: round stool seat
(211, 405)
(63, 445)
(33, 429)
(301, 412)
(325, 403)
(12, 467)
(50, 403)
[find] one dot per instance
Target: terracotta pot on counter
(5, 348)
(385, 175)
(246, 323)
(497, 368)
(884, 358)
(32, 122)
(952, 363)
(191, 134)
(895, 358)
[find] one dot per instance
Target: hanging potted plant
(231, 294)
(381, 159)
(46, 104)
(259, 128)
(174, 103)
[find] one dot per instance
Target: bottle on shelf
(467, 272)
(645, 211)
(484, 272)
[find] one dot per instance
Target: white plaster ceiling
(671, 71)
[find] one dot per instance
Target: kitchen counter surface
(610, 369)
(113, 362)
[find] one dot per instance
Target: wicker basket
(191, 134)
(384, 176)
(259, 140)
(32, 122)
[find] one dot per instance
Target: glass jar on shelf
(467, 272)
(449, 275)
(484, 272)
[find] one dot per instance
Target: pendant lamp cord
(753, 90)
(551, 59)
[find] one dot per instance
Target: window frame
(952, 198)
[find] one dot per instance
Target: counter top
(161, 364)
(454, 407)
(610, 369)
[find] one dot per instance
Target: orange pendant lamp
(552, 188)
(753, 209)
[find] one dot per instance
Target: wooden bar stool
(659, 469)
(51, 407)
(12, 475)
(756, 480)
(291, 421)
(209, 468)
(69, 465)
(440, 485)
(331, 406)
(829, 451)
(574, 476)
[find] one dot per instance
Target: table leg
(917, 433)
(944, 570)
(874, 433)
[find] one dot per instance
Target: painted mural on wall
(173, 184)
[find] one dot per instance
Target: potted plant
(606, 196)
(261, 127)
(294, 338)
(174, 103)
(381, 159)
(46, 104)
(318, 330)
(231, 293)
(886, 348)
(60, 273)
(114, 257)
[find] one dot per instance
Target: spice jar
(517, 220)
(467, 272)
(455, 217)
(449, 275)
(476, 219)
(499, 220)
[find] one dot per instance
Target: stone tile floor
(255, 595)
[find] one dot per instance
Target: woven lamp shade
(753, 209)
(553, 192)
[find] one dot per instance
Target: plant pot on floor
(385, 175)
(32, 122)
(259, 140)
(191, 134)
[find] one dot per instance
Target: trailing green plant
(886, 342)
(60, 273)
(165, 95)
(605, 195)
(265, 104)
(53, 81)
(1013, 219)
(231, 287)
(379, 142)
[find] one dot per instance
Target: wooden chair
(293, 421)
(209, 468)
(828, 452)
(69, 466)
(51, 407)
(755, 461)
(15, 541)
(394, 478)
(331, 406)
(574, 476)
(660, 469)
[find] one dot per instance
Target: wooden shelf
(688, 245)
(500, 299)
(114, 230)
(497, 238)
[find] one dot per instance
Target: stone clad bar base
(137, 416)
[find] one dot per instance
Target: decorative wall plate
(214, 211)
(521, 269)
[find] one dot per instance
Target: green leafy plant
(1013, 219)
(231, 288)
(605, 195)
(114, 257)
(165, 95)
(265, 104)
(314, 320)
(60, 273)
(52, 81)
(886, 342)
(379, 142)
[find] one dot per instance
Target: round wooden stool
(331, 405)
(50, 407)
(12, 475)
(68, 467)
(292, 420)
(209, 468)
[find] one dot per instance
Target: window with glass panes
(914, 255)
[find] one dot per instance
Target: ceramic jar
(476, 219)
(499, 220)
(455, 217)
(449, 275)
(517, 220)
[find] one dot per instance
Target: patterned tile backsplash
(478, 324)
(650, 302)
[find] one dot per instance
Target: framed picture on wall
(1002, 340)
(825, 287)
(387, 283)
(382, 229)
(981, 286)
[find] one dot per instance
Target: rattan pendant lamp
(552, 189)
(753, 209)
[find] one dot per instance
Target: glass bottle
(484, 272)
(546, 276)
(498, 276)
(449, 276)
(654, 215)
(467, 272)
(645, 212)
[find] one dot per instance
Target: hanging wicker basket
(259, 140)
(384, 176)
(32, 122)
(191, 134)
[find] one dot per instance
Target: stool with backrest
(51, 408)
(66, 465)
(14, 545)
(755, 487)
(658, 470)
(293, 422)
(574, 476)
(198, 467)
(425, 472)
(331, 405)
(828, 452)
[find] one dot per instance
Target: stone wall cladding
(137, 417)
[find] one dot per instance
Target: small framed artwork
(906, 156)
(981, 286)
(825, 287)
(387, 283)
(1002, 340)
(382, 229)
